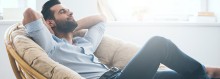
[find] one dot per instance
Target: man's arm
(80, 33)
(86, 23)
(95, 35)
(36, 29)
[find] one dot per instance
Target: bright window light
(154, 10)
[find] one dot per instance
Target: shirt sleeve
(40, 34)
(95, 34)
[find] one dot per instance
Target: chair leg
(14, 67)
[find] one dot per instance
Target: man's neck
(67, 36)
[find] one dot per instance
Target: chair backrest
(21, 69)
(29, 60)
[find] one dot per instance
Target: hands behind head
(30, 15)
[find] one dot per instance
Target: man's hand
(213, 72)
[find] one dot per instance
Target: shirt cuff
(34, 26)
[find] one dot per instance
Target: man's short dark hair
(46, 12)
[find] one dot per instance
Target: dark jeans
(160, 50)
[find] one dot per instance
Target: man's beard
(63, 26)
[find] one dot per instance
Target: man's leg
(160, 50)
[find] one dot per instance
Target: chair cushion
(37, 58)
(115, 52)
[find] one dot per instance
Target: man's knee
(157, 42)
(158, 39)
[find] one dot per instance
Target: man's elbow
(102, 18)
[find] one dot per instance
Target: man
(55, 36)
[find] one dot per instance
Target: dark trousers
(161, 50)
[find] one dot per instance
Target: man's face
(63, 18)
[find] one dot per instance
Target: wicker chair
(30, 61)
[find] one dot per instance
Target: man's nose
(70, 13)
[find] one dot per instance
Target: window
(18, 5)
(160, 10)
(214, 7)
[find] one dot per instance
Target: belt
(111, 74)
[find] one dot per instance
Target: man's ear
(50, 24)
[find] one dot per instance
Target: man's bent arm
(95, 34)
(37, 30)
(88, 22)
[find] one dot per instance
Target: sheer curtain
(104, 9)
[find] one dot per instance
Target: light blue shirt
(78, 57)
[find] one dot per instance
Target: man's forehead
(57, 7)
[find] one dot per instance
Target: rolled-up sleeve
(40, 34)
(95, 34)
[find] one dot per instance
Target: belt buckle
(114, 69)
(111, 74)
